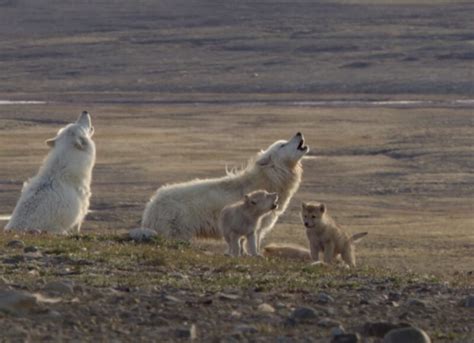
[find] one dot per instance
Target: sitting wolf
(56, 200)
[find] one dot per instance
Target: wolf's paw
(318, 263)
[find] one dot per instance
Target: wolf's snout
(299, 134)
(85, 119)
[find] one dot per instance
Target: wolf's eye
(253, 202)
(281, 146)
(313, 217)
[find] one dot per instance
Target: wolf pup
(56, 200)
(325, 235)
(243, 219)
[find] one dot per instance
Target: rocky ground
(105, 288)
(382, 91)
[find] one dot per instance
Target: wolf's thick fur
(325, 235)
(191, 209)
(290, 251)
(243, 218)
(56, 200)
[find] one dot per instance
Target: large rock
(266, 308)
(16, 244)
(17, 302)
(190, 333)
(380, 329)
(304, 314)
(469, 301)
(405, 335)
(59, 287)
(346, 338)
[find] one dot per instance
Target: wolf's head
(76, 136)
(261, 201)
(312, 213)
(284, 153)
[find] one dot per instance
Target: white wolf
(56, 200)
(191, 209)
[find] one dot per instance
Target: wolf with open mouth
(191, 209)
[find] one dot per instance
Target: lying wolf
(191, 209)
(243, 219)
(56, 200)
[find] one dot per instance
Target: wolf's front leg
(234, 246)
(76, 229)
(314, 250)
(252, 244)
(329, 252)
(243, 244)
(266, 225)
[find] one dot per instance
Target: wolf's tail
(290, 251)
(358, 236)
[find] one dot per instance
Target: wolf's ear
(304, 206)
(246, 197)
(91, 131)
(322, 208)
(50, 142)
(265, 161)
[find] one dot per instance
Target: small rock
(34, 273)
(337, 330)
(281, 305)
(17, 302)
(409, 334)
(469, 301)
(324, 298)
(226, 296)
(53, 314)
(394, 296)
(236, 314)
(346, 338)
(416, 303)
(171, 298)
(14, 259)
(30, 249)
(190, 332)
(16, 244)
(380, 329)
(243, 329)
(59, 287)
(328, 322)
(304, 313)
(267, 308)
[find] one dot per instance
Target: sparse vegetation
(118, 283)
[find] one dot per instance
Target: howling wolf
(56, 200)
(191, 209)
